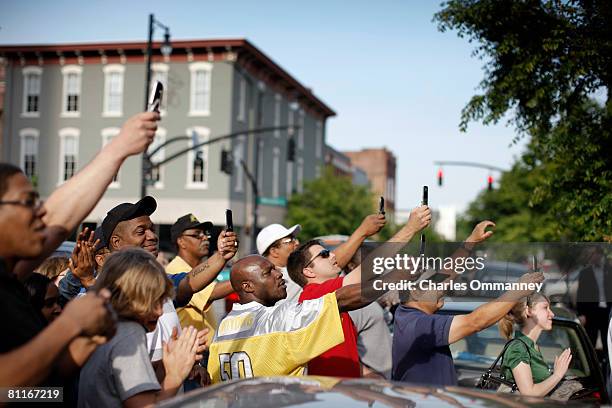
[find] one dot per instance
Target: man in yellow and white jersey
(258, 339)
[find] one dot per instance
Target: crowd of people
(113, 326)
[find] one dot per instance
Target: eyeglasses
(201, 235)
(323, 254)
(33, 201)
(288, 240)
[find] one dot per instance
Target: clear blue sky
(393, 79)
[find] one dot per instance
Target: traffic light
(490, 182)
(291, 150)
(227, 165)
(440, 175)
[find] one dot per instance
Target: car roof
(310, 391)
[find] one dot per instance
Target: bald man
(258, 339)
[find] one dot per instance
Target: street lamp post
(165, 49)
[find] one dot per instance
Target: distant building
(380, 167)
(65, 101)
(443, 221)
(342, 166)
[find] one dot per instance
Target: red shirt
(343, 359)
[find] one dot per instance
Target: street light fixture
(166, 50)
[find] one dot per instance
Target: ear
(115, 242)
(273, 252)
(247, 286)
(309, 273)
(180, 243)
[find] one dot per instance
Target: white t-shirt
(293, 289)
(163, 331)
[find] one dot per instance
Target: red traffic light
(440, 175)
(490, 182)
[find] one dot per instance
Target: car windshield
(479, 350)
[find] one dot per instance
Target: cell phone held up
(381, 206)
(229, 222)
(155, 98)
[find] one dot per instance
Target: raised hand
(180, 355)
(92, 314)
(82, 262)
(136, 133)
(562, 362)
(419, 219)
(479, 233)
(532, 277)
(227, 244)
(372, 224)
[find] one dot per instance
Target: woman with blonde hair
(120, 372)
(523, 362)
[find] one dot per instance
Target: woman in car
(523, 363)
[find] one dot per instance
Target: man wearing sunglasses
(316, 269)
(275, 243)
(192, 241)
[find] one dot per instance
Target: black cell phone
(229, 222)
(155, 99)
(381, 206)
(425, 200)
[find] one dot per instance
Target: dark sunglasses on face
(324, 253)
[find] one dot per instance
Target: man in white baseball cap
(275, 242)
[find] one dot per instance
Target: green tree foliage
(329, 205)
(548, 64)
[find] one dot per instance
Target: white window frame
(275, 172)
(277, 114)
(107, 136)
(63, 135)
(67, 70)
(160, 69)
(23, 135)
(194, 68)
(26, 72)
(242, 99)
(159, 139)
(238, 156)
(108, 70)
(203, 135)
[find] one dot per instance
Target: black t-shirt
(21, 322)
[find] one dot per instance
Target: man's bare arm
(371, 225)
(205, 273)
(221, 290)
(68, 205)
(420, 218)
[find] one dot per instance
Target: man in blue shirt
(421, 337)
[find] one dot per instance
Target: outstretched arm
(370, 225)
(420, 218)
(69, 204)
(491, 312)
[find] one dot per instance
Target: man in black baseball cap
(187, 227)
(192, 242)
(129, 225)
